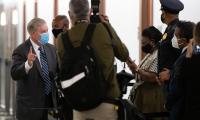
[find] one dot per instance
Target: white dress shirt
(183, 50)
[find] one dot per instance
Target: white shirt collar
(184, 49)
(35, 46)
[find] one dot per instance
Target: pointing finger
(30, 50)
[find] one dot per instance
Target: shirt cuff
(27, 67)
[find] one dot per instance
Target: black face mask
(147, 48)
(56, 32)
(162, 18)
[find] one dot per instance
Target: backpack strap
(112, 43)
(111, 36)
(88, 34)
(107, 28)
(66, 41)
(86, 39)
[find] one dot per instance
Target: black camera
(94, 18)
(124, 78)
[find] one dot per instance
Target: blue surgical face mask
(44, 38)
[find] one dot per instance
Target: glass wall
(8, 41)
(29, 12)
(45, 11)
(125, 16)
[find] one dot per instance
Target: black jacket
(190, 81)
(175, 97)
(167, 55)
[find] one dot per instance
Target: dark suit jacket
(30, 96)
(184, 100)
(175, 95)
(167, 54)
(190, 77)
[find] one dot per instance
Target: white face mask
(175, 42)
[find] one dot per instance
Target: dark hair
(197, 33)
(186, 29)
(152, 33)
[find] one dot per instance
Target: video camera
(124, 78)
(94, 18)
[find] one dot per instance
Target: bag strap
(88, 34)
(111, 36)
(109, 32)
(66, 41)
(86, 39)
(112, 43)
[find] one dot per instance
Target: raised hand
(103, 18)
(31, 57)
(131, 64)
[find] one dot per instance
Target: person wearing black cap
(167, 51)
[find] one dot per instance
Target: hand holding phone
(131, 64)
(130, 60)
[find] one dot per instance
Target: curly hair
(152, 33)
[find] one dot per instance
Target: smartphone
(130, 60)
(196, 49)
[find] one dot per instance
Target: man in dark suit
(175, 97)
(167, 54)
(34, 66)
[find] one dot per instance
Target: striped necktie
(45, 71)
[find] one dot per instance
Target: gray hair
(79, 8)
(34, 24)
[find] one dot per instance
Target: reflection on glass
(14, 17)
(3, 18)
